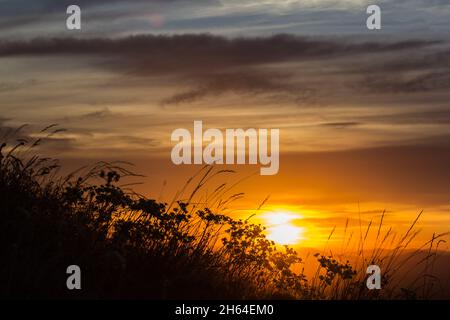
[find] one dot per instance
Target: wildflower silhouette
(129, 246)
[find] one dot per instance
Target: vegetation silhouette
(129, 246)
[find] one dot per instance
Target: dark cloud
(427, 116)
(55, 145)
(341, 124)
(176, 51)
(248, 82)
(415, 72)
(213, 65)
(404, 83)
(437, 59)
(135, 141)
(100, 114)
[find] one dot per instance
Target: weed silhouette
(129, 246)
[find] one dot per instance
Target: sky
(363, 115)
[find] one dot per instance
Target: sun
(281, 230)
(285, 234)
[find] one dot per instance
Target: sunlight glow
(285, 234)
(281, 229)
(280, 217)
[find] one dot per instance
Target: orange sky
(363, 117)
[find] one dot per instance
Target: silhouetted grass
(129, 246)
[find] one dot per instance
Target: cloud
(214, 65)
(401, 83)
(435, 59)
(341, 124)
(97, 115)
(325, 92)
(427, 116)
(12, 86)
(249, 82)
(166, 50)
(26, 18)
